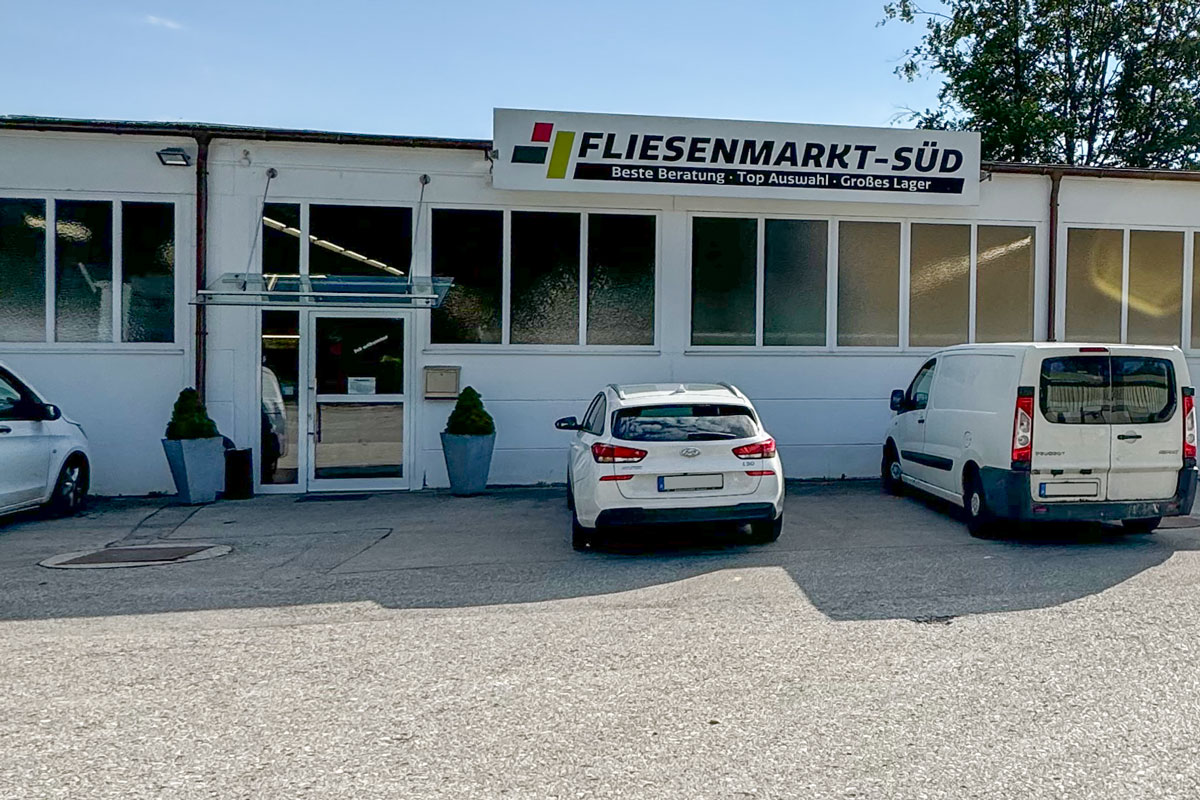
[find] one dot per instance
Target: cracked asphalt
(432, 647)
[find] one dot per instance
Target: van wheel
(581, 538)
(892, 472)
(70, 491)
(1141, 525)
(766, 531)
(980, 520)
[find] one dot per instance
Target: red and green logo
(560, 155)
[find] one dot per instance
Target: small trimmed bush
(189, 418)
(469, 417)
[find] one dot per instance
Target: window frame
(831, 345)
(1184, 341)
(184, 218)
(506, 345)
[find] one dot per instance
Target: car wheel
(581, 538)
(1141, 525)
(767, 530)
(71, 488)
(892, 472)
(980, 520)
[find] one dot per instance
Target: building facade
(113, 259)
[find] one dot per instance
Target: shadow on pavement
(854, 552)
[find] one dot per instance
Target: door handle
(5, 429)
(921, 421)
(1127, 436)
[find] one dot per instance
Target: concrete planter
(198, 467)
(468, 461)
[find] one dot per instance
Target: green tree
(1092, 82)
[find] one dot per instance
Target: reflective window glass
(281, 239)
(148, 272)
(621, 255)
(939, 285)
(359, 240)
(794, 274)
(545, 278)
(1004, 283)
(724, 258)
(358, 355)
(1155, 287)
(280, 420)
(83, 271)
(1094, 268)
(22, 270)
(469, 247)
(869, 284)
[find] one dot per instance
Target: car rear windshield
(684, 423)
(1107, 390)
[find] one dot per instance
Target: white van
(1049, 432)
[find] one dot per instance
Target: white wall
(828, 409)
(121, 393)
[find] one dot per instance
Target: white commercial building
(297, 279)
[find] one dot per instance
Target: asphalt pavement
(427, 646)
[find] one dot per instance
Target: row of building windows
(104, 255)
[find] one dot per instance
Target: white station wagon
(1051, 431)
(670, 453)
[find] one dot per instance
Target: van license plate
(1069, 489)
(690, 483)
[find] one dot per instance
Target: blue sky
(438, 68)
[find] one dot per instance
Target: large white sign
(565, 151)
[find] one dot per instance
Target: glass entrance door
(357, 425)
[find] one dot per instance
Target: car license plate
(690, 483)
(1069, 489)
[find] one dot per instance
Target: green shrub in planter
(195, 451)
(467, 444)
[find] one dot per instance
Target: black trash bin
(239, 474)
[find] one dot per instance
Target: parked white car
(43, 455)
(668, 454)
(1049, 431)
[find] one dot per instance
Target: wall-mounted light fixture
(174, 157)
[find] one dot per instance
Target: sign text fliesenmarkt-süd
(564, 151)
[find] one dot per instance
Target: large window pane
(148, 272)
(359, 240)
(939, 285)
(281, 239)
(280, 425)
(83, 267)
(469, 247)
(620, 279)
(1004, 284)
(796, 255)
(360, 355)
(724, 255)
(22, 270)
(1155, 287)
(869, 284)
(545, 278)
(1196, 290)
(1093, 285)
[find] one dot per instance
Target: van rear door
(1072, 440)
(1146, 428)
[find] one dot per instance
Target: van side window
(917, 396)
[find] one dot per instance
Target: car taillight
(760, 473)
(757, 450)
(616, 454)
(1189, 425)
(1022, 441)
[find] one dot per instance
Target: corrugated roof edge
(214, 131)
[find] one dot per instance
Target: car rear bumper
(1009, 495)
(742, 512)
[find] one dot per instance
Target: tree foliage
(1089, 82)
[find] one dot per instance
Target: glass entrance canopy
(324, 291)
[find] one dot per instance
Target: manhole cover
(136, 556)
